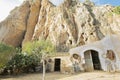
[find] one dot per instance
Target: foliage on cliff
(117, 10)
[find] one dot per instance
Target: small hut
(60, 62)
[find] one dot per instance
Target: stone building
(60, 62)
(100, 55)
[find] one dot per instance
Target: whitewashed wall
(110, 42)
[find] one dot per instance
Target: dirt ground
(58, 76)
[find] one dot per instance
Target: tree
(42, 48)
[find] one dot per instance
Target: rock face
(68, 25)
(19, 26)
(32, 19)
(12, 29)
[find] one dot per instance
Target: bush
(23, 62)
(6, 53)
(117, 10)
(30, 57)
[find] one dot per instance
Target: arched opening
(92, 61)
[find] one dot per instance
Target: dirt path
(94, 76)
(58, 76)
(36, 76)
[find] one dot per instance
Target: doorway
(96, 60)
(57, 64)
(92, 61)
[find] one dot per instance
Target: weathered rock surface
(32, 19)
(12, 29)
(68, 25)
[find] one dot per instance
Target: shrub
(23, 62)
(30, 57)
(117, 10)
(6, 53)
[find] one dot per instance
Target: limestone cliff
(70, 24)
(13, 28)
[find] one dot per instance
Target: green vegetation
(30, 57)
(89, 2)
(39, 47)
(6, 53)
(42, 48)
(116, 10)
(22, 62)
(110, 14)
